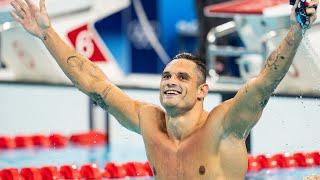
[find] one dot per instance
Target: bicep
(245, 109)
(120, 105)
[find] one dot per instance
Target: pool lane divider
(138, 169)
(54, 140)
(86, 171)
(283, 161)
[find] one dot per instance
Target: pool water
(283, 174)
(79, 155)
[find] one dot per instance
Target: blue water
(100, 155)
(284, 174)
(78, 155)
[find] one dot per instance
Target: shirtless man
(184, 141)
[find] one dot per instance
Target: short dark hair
(199, 63)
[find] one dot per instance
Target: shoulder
(147, 108)
(151, 112)
(216, 117)
(221, 110)
(151, 117)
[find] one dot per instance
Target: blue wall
(125, 39)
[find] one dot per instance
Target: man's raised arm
(245, 109)
(81, 71)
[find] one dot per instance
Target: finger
(310, 11)
(43, 6)
(32, 5)
(24, 7)
(296, 4)
(313, 1)
(16, 17)
(18, 14)
(313, 4)
(18, 9)
(313, 18)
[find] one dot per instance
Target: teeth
(172, 92)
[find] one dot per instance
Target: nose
(172, 82)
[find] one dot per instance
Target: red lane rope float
(90, 171)
(148, 168)
(86, 171)
(10, 174)
(31, 173)
(114, 171)
(58, 140)
(41, 141)
(23, 141)
(7, 143)
(90, 138)
(135, 169)
(54, 140)
(285, 160)
(50, 173)
(69, 172)
(138, 169)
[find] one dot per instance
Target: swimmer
(183, 141)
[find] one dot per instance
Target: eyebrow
(178, 74)
(166, 72)
(184, 74)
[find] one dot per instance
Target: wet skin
(198, 149)
(183, 141)
(205, 154)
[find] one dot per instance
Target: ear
(202, 91)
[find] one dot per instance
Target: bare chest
(202, 155)
(191, 158)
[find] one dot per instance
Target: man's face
(179, 85)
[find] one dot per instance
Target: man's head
(183, 83)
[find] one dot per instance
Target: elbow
(265, 85)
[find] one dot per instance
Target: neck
(182, 125)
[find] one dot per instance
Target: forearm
(246, 107)
(81, 71)
(280, 60)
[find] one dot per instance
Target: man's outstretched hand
(311, 10)
(34, 19)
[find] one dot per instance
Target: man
(184, 141)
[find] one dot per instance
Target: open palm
(34, 19)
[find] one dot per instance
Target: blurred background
(132, 41)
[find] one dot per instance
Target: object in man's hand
(301, 13)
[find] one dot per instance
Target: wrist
(297, 31)
(46, 33)
(296, 27)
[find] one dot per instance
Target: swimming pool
(102, 154)
(283, 174)
(69, 155)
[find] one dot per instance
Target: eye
(183, 77)
(166, 76)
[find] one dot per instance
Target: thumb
(296, 4)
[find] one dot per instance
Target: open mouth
(172, 92)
